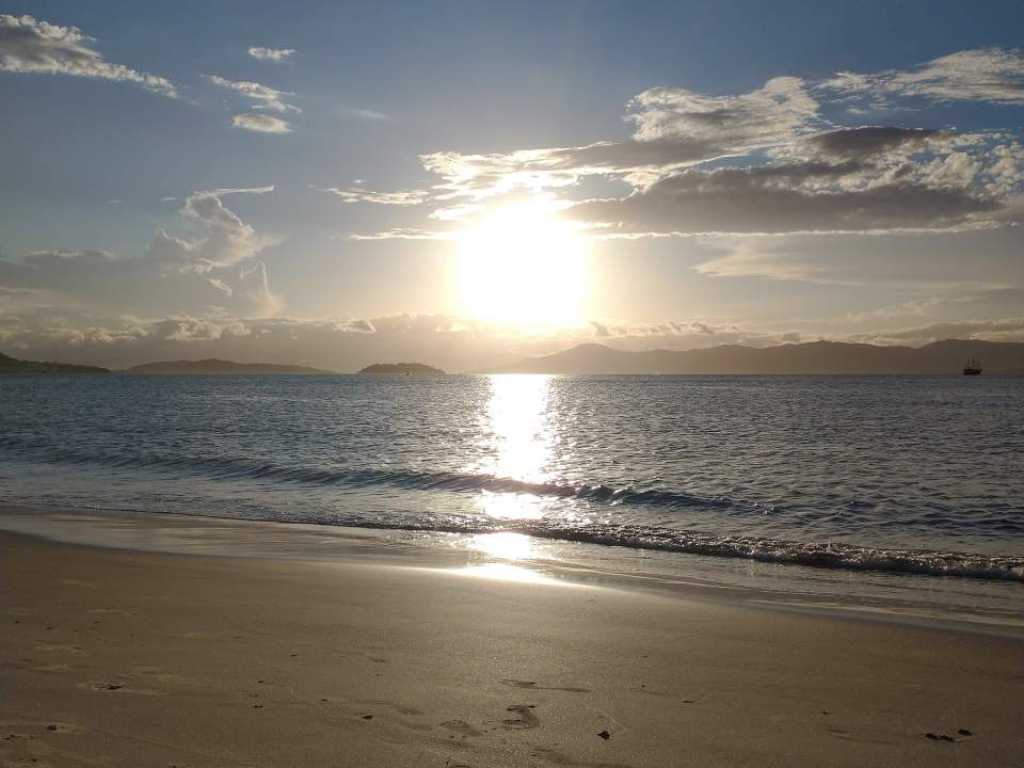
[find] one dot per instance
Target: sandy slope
(140, 659)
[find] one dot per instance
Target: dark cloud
(868, 141)
(772, 200)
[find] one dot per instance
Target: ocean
(910, 477)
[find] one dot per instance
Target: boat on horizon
(973, 367)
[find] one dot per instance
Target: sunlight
(519, 442)
(522, 265)
(512, 573)
(505, 545)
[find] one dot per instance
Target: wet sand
(123, 658)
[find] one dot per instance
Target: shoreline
(943, 602)
(146, 658)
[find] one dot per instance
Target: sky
(468, 183)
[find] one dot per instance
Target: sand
(123, 658)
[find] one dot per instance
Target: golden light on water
(521, 265)
(520, 442)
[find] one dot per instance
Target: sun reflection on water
(519, 442)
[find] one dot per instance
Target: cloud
(764, 161)
(675, 128)
(888, 268)
(189, 329)
(227, 239)
(271, 54)
(868, 141)
(30, 46)
(783, 109)
(781, 199)
(238, 191)
(356, 326)
(252, 121)
(403, 233)
(216, 269)
(365, 114)
(361, 195)
(1006, 329)
(994, 75)
(266, 98)
(671, 330)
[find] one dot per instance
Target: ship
(973, 368)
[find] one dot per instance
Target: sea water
(873, 475)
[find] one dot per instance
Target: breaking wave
(834, 555)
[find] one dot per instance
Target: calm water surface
(899, 474)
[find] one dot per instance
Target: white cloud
(39, 47)
(993, 75)
(253, 121)
(266, 98)
(239, 191)
(271, 54)
(227, 241)
(404, 233)
(361, 195)
(779, 111)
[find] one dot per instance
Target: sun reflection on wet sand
(506, 546)
(519, 432)
(514, 573)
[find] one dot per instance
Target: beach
(125, 657)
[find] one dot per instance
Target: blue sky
(726, 182)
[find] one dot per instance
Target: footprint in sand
(525, 720)
(532, 686)
(112, 687)
(461, 727)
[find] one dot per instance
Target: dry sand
(120, 658)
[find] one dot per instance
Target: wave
(832, 555)
(226, 468)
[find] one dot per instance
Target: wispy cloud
(364, 114)
(361, 195)
(260, 123)
(30, 46)
(271, 54)
(994, 75)
(265, 97)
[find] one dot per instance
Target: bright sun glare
(524, 266)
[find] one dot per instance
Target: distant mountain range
(409, 369)
(13, 365)
(819, 357)
(218, 367)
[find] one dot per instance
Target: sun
(522, 265)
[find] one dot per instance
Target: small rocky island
(404, 369)
(14, 365)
